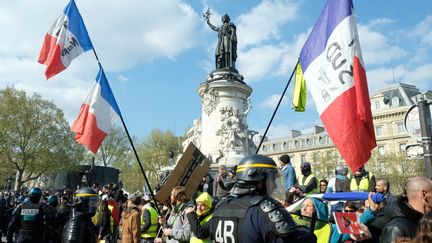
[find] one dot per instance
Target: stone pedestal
(223, 132)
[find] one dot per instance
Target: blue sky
(157, 52)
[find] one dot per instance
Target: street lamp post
(425, 126)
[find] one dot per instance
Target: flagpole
(133, 148)
(277, 107)
(140, 165)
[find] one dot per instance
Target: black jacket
(79, 229)
(402, 220)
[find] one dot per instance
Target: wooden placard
(188, 172)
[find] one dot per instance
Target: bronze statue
(226, 49)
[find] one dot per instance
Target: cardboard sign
(188, 172)
(346, 223)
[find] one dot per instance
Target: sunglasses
(349, 211)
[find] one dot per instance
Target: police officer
(52, 233)
(307, 181)
(251, 215)
(28, 219)
(80, 228)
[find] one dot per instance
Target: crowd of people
(236, 205)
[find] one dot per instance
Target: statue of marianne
(226, 49)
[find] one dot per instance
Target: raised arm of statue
(212, 26)
(206, 16)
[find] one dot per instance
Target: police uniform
(28, 219)
(80, 228)
(251, 215)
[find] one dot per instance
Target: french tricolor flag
(97, 115)
(66, 39)
(333, 69)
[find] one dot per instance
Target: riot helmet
(86, 200)
(21, 198)
(341, 170)
(253, 169)
(53, 200)
(34, 194)
(306, 168)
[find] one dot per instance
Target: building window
(382, 166)
(395, 102)
(315, 157)
(400, 128)
(377, 105)
(378, 131)
(381, 150)
(303, 158)
(402, 147)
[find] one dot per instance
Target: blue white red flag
(333, 68)
(97, 115)
(65, 40)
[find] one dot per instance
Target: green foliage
(35, 139)
(396, 168)
(324, 164)
(114, 150)
(392, 166)
(153, 152)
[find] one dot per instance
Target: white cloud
(122, 78)
(291, 53)
(423, 29)
(421, 34)
(272, 101)
(264, 21)
(123, 34)
(259, 62)
(377, 48)
(279, 131)
(420, 76)
(381, 22)
(276, 131)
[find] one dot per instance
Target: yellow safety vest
(323, 233)
(151, 231)
(110, 208)
(308, 179)
(364, 184)
(194, 239)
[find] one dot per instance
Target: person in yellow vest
(362, 181)
(106, 225)
(307, 182)
(149, 221)
(199, 218)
